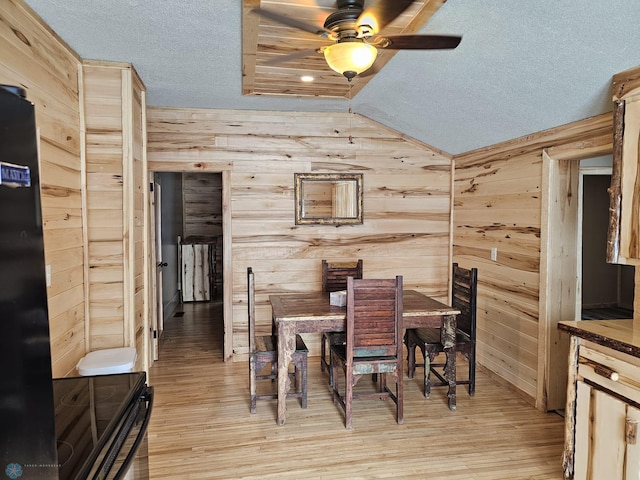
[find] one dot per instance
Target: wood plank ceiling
(263, 40)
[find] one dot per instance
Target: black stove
(99, 420)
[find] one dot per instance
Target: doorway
(607, 289)
(191, 216)
(561, 266)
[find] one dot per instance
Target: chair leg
(303, 399)
(411, 358)
(429, 357)
(399, 398)
(324, 365)
(336, 383)
(472, 371)
(252, 385)
(348, 400)
(383, 381)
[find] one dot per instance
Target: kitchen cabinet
(623, 244)
(603, 401)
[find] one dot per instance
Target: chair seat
(367, 365)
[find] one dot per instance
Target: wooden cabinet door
(632, 463)
(630, 184)
(602, 447)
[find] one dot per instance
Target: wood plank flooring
(201, 427)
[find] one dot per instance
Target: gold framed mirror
(328, 198)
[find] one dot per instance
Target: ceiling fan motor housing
(344, 18)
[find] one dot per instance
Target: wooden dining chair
(334, 279)
(373, 343)
(263, 351)
(463, 298)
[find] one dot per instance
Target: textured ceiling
(522, 66)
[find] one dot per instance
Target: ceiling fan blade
(290, 56)
(382, 13)
(291, 22)
(417, 42)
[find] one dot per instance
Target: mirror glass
(328, 198)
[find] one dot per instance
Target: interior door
(158, 321)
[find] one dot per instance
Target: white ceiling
(522, 66)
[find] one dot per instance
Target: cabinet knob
(631, 431)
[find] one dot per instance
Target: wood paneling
(202, 205)
(406, 199)
(116, 207)
(498, 204)
(34, 58)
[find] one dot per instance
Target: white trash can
(108, 361)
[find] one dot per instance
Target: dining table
(311, 312)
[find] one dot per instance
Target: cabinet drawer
(615, 371)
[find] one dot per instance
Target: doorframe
(223, 168)
(559, 266)
(157, 321)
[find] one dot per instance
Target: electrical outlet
(494, 253)
(47, 270)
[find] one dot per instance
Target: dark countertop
(619, 335)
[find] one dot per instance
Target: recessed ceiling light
(307, 78)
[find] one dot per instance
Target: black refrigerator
(59, 429)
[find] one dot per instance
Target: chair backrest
(251, 306)
(334, 274)
(463, 297)
(374, 317)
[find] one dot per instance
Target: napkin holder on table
(338, 299)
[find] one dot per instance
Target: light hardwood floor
(201, 427)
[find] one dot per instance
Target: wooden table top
(316, 306)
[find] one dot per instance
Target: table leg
(448, 339)
(286, 347)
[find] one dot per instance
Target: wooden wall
(33, 57)
(202, 204)
(202, 218)
(499, 203)
(407, 189)
(116, 172)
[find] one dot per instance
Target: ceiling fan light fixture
(350, 58)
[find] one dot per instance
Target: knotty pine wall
(407, 195)
(114, 108)
(32, 56)
(498, 202)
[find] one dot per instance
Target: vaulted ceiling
(521, 67)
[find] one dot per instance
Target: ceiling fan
(355, 33)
